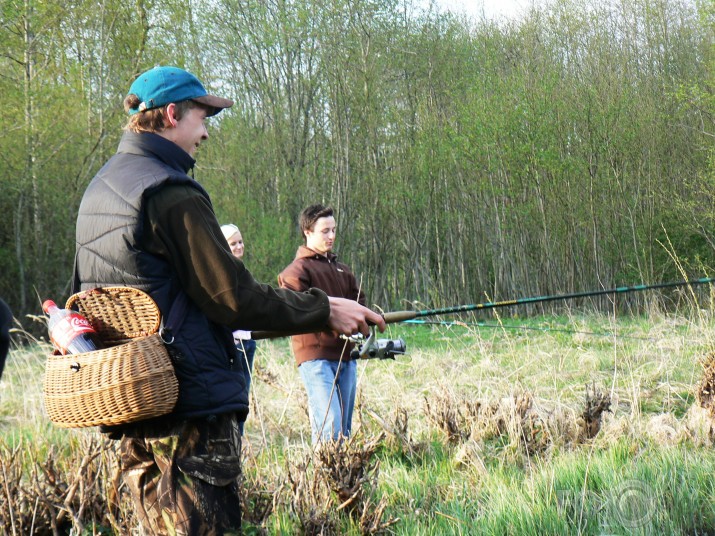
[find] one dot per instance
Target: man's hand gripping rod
(370, 348)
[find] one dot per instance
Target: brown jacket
(312, 270)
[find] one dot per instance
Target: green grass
(650, 367)
(648, 471)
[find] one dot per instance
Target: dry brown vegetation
(82, 490)
(705, 394)
(54, 492)
(473, 403)
(525, 422)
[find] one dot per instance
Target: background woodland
(468, 160)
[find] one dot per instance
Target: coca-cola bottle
(70, 332)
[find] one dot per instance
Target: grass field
(576, 424)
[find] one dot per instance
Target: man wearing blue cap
(145, 223)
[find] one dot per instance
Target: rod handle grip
(399, 316)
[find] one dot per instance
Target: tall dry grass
(445, 437)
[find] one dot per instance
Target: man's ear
(170, 115)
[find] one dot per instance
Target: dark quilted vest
(109, 253)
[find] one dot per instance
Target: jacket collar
(155, 146)
(305, 252)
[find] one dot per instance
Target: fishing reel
(374, 348)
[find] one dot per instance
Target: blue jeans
(330, 416)
(246, 350)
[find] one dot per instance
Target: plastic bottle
(70, 332)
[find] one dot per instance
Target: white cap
(229, 230)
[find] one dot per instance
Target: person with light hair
(245, 345)
(234, 238)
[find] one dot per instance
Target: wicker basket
(130, 380)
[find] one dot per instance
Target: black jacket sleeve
(180, 225)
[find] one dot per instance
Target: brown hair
(310, 215)
(153, 120)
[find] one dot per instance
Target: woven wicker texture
(123, 383)
(118, 314)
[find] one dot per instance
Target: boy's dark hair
(310, 215)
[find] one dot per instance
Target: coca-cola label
(68, 328)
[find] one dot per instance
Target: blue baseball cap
(160, 86)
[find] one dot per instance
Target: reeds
(480, 433)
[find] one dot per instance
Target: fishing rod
(402, 316)
(409, 315)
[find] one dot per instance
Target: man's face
(189, 131)
(236, 245)
(322, 237)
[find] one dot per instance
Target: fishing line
(532, 328)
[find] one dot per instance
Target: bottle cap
(47, 304)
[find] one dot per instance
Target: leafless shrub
(441, 409)
(526, 425)
(701, 418)
(310, 500)
(341, 479)
(371, 517)
(531, 424)
(52, 493)
(483, 419)
(705, 391)
(596, 403)
(396, 428)
(349, 466)
(516, 417)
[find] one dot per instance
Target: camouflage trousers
(184, 477)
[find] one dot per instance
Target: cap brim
(217, 103)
